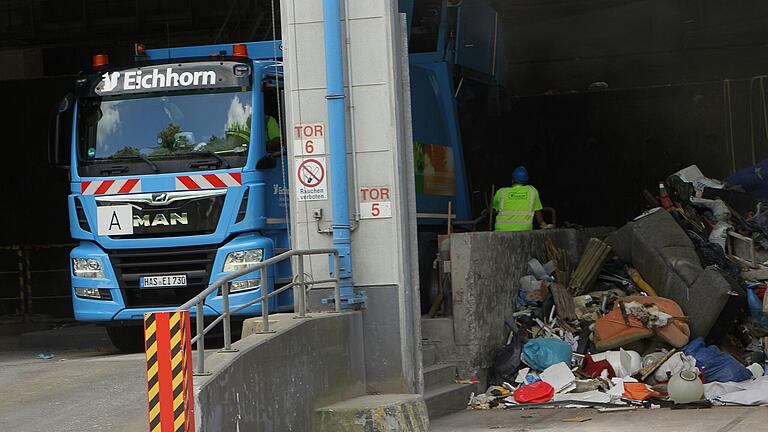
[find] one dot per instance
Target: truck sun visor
(168, 77)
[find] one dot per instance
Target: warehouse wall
(555, 46)
(591, 154)
(677, 86)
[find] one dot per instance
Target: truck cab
(177, 178)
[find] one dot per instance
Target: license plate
(163, 281)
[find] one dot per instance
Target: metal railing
(42, 284)
(300, 291)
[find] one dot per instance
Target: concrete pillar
(384, 248)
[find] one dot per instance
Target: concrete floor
(73, 392)
(87, 386)
(718, 419)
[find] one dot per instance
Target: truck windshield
(168, 132)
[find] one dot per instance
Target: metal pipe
(227, 327)
(352, 134)
(337, 284)
(301, 299)
(274, 260)
(219, 318)
(337, 132)
(199, 299)
(200, 345)
(253, 302)
(315, 282)
(209, 327)
(264, 303)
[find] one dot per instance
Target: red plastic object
(594, 369)
(538, 392)
(100, 60)
(240, 50)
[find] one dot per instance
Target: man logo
(159, 197)
(160, 220)
(110, 80)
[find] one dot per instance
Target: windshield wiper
(213, 155)
(143, 158)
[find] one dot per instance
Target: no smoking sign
(311, 176)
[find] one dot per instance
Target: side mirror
(266, 162)
(59, 133)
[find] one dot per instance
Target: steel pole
(227, 325)
(301, 299)
(200, 345)
(337, 285)
(264, 302)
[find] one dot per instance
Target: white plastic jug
(685, 387)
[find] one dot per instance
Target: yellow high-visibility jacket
(516, 206)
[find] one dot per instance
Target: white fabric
(750, 392)
(590, 396)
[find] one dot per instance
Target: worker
(273, 133)
(518, 205)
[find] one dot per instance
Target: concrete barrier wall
(276, 381)
(485, 271)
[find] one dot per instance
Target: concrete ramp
(276, 381)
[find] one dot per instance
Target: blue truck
(178, 175)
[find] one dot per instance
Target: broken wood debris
(589, 267)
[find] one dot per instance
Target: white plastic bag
(676, 364)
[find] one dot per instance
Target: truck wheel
(128, 339)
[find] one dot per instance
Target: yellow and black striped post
(168, 347)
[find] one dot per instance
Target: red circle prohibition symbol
(311, 173)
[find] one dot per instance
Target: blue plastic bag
(716, 365)
(542, 353)
(756, 308)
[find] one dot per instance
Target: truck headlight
(239, 259)
(244, 285)
(87, 268)
(94, 293)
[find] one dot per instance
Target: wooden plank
(648, 370)
(563, 302)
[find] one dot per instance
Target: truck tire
(127, 339)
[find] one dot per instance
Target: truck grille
(170, 214)
(131, 264)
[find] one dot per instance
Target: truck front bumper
(117, 309)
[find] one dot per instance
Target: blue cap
(520, 174)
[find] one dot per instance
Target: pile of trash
(669, 311)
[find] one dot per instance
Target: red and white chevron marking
(208, 181)
(110, 187)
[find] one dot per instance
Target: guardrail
(299, 285)
(33, 282)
